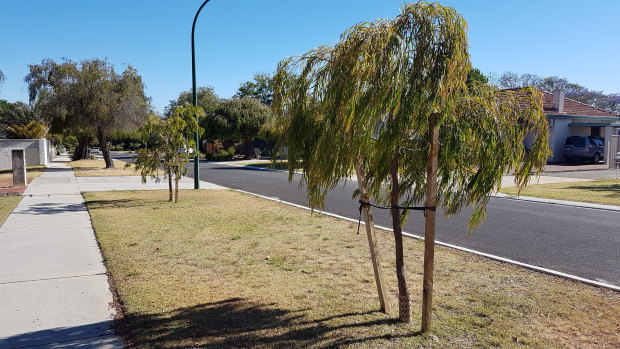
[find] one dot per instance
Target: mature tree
(382, 100)
(167, 149)
(207, 100)
(88, 99)
(260, 88)
(237, 119)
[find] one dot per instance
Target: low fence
(38, 151)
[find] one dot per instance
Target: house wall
(579, 131)
(38, 151)
(558, 131)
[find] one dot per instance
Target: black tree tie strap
(404, 208)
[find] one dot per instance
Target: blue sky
(237, 38)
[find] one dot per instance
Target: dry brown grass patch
(32, 172)
(224, 269)
(96, 168)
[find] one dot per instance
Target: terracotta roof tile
(572, 107)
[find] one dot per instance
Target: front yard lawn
(602, 191)
(96, 168)
(223, 269)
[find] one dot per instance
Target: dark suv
(584, 148)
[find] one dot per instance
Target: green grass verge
(603, 191)
(7, 205)
(222, 269)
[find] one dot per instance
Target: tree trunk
(103, 144)
(82, 151)
(429, 225)
(247, 147)
(169, 173)
(404, 303)
(176, 189)
(372, 238)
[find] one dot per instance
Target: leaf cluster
(31, 130)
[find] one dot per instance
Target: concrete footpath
(54, 292)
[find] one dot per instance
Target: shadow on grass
(236, 322)
(612, 190)
(116, 203)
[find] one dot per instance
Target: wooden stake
(429, 225)
(372, 239)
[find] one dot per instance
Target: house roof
(572, 107)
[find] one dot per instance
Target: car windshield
(576, 141)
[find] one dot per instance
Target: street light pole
(195, 103)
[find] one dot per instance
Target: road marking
(456, 247)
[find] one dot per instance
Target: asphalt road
(578, 241)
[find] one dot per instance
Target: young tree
(382, 101)
(168, 147)
(88, 99)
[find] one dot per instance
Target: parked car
(584, 148)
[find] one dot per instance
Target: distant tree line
(608, 102)
(89, 102)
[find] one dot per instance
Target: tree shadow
(48, 208)
(242, 168)
(58, 169)
(612, 190)
(86, 336)
(237, 322)
(116, 203)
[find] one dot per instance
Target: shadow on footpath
(51, 208)
(86, 336)
(238, 323)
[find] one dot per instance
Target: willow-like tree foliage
(370, 97)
